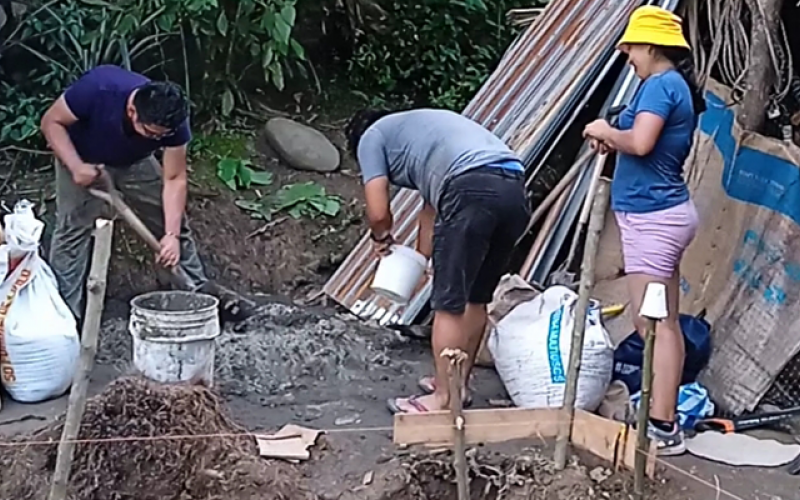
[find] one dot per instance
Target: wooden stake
(457, 358)
(642, 442)
(596, 224)
(96, 288)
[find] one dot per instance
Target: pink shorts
(653, 243)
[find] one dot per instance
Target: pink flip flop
(428, 386)
(413, 401)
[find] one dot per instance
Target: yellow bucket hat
(653, 25)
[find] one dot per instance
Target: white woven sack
(39, 344)
(531, 348)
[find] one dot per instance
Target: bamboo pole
(457, 358)
(551, 197)
(642, 442)
(96, 288)
(654, 309)
(596, 223)
(586, 209)
(549, 222)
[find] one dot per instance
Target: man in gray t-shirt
(475, 210)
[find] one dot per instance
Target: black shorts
(481, 215)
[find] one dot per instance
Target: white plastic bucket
(398, 274)
(174, 336)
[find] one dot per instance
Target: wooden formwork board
(611, 441)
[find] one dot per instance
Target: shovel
(233, 307)
(110, 195)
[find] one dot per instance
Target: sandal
(428, 386)
(413, 401)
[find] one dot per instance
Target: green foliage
(61, 41)
(220, 143)
(242, 36)
(432, 52)
(307, 199)
(19, 116)
(236, 39)
(70, 38)
(239, 174)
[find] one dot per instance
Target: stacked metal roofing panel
(537, 86)
(623, 91)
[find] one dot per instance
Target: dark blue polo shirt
(103, 134)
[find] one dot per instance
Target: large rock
(302, 147)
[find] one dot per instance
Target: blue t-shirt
(102, 134)
(655, 182)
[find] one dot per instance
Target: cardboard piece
(290, 443)
(741, 450)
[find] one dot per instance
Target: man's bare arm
(175, 187)
(54, 127)
(379, 211)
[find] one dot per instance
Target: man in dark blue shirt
(114, 120)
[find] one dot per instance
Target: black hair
(359, 123)
(683, 61)
(163, 104)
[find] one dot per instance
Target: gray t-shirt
(424, 148)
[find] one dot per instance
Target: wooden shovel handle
(178, 276)
(124, 211)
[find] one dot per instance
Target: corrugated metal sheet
(622, 93)
(525, 102)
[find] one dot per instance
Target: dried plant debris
(171, 465)
(529, 475)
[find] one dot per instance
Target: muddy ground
(311, 366)
(286, 256)
(323, 370)
(286, 365)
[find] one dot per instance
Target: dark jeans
(482, 213)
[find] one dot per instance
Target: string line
(347, 430)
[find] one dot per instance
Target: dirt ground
(287, 257)
(311, 366)
(327, 371)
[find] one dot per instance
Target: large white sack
(39, 344)
(531, 348)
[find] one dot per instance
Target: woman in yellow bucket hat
(649, 196)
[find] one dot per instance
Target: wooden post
(96, 288)
(643, 415)
(457, 358)
(654, 308)
(596, 224)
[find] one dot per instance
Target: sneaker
(668, 443)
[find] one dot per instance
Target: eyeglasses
(152, 134)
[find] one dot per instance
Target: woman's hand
(598, 130)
